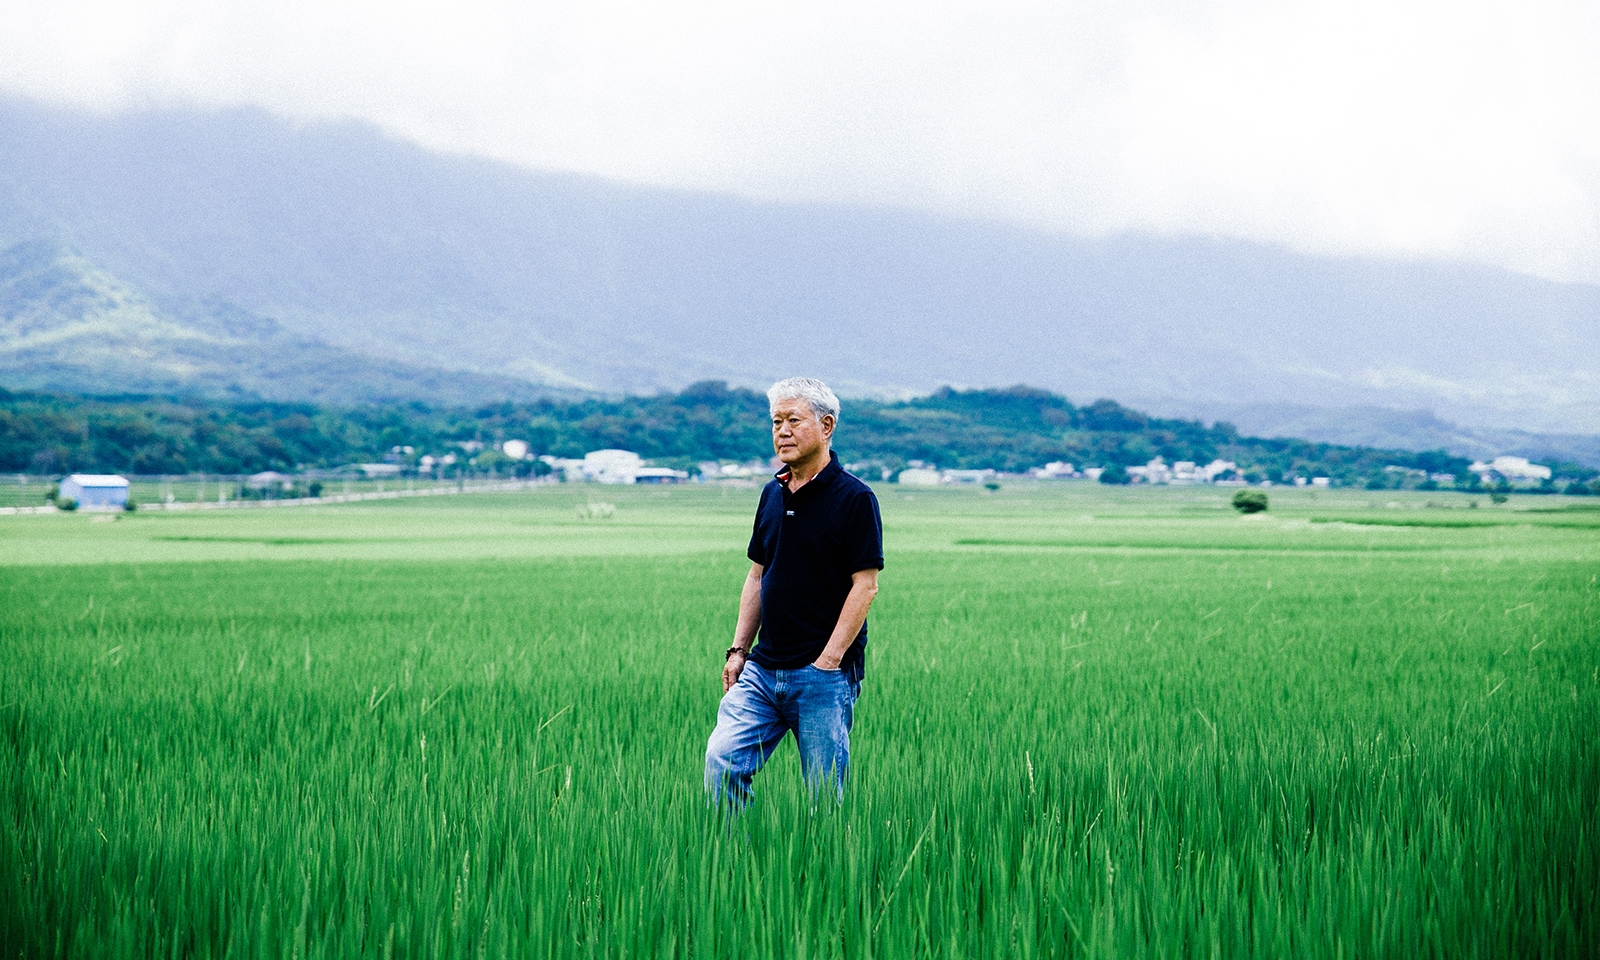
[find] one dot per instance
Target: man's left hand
(827, 662)
(732, 669)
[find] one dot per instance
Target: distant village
(627, 467)
(1514, 471)
(191, 452)
(514, 459)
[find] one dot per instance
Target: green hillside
(112, 378)
(68, 325)
(1008, 430)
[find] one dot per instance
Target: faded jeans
(818, 705)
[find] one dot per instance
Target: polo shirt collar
(825, 476)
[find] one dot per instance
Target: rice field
(1095, 723)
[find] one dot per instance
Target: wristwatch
(733, 650)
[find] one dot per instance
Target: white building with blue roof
(92, 490)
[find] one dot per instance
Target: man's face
(797, 432)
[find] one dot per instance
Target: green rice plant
(1096, 722)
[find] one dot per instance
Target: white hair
(815, 392)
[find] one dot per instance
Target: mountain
(382, 249)
(68, 325)
(1385, 429)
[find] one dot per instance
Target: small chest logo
(788, 513)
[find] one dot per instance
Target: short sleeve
(757, 551)
(864, 535)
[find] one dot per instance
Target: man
(814, 555)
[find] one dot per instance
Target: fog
(1459, 130)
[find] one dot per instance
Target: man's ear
(827, 425)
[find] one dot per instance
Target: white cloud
(1431, 128)
(1456, 129)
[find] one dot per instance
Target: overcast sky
(1454, 128)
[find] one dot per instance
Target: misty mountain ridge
(377, 249)
(68, 326)
(1384, 429)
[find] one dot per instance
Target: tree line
(1008, 430)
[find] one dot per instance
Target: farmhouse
(91, 490)
(1156, 471)
(966, 476)
(612, 466)
(920, 477)
(1185, 471)
(659, 475)
(1511, 469)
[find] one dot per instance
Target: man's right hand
(731, 670)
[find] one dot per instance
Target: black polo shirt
(809, 543)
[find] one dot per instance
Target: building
(95, 490)
(920, 477)
(717, 470)
(1186, 471)
(966, 476)
(1511, 469)
(612, 466)
(1156, 471)
(660, 475)
(1056, 470)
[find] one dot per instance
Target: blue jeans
(818, 705)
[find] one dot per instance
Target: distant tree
(1577, 488)
(1112, 416)
(1437, 461)
(1115, 475)
(494, 460)
(1250, 501)
(1009, 430)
